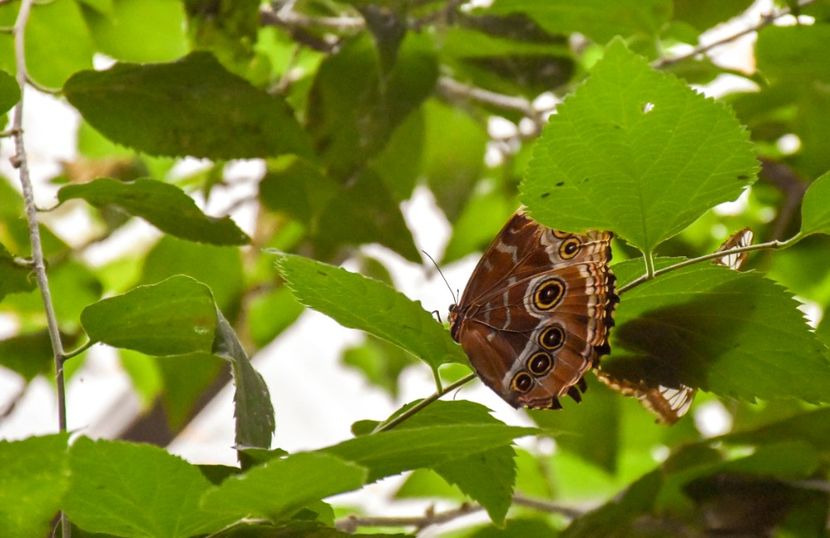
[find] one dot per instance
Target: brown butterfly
(669, 404)
(536, 312)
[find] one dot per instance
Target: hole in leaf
(648, 107)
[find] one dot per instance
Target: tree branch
(19, 161)
(351, 523)
(711, 256)
(766, 20)
(385, 426)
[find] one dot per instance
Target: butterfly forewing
(536, 313)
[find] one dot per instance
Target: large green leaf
(815, 207)
(134, 490)
(599, 444)
(370, 305)
(392, 452)
(277, 488)
(33, 479)
(638, 152)
(488, 476)
(28, 354)
(252, 402)
(811, 427)
(140, 30)
(163, 205)
(354, 108)
(735, 334)
(365, 212)
(189, 107)
(597, 19)
(220, 268)
(174, 316)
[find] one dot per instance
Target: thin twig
(19, 161)
(12, 403)
(351, 523)
(766, 20)
(719, 254)
(385, 426)
(453, 89)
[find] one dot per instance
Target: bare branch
(766, 20)
(353, 522)
(19, 161)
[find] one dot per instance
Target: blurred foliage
(355, 108)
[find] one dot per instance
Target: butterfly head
(455, 322)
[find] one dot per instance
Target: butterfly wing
(536, 313)
(669, 404)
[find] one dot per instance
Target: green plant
(351, 105)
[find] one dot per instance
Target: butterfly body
(536, 312)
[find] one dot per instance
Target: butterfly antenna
(454, 297)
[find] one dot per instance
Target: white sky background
(315, 398)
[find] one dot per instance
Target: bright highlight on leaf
(165, 206)
(172, 317)
(190, 107)
(608, 161)
(370, 305)
(815, 207)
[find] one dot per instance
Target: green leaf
(668, 155)
(734, 334)
(793, 54)
(139, 30)
(488, 476)
(811, 427)
(704, 14)
(51, 61)
(271, 313)
(252, 402)
(9, 92)
(367, 304)
(184, 380)
(28, 354)
(478, 223)
(614, 517)
(33, 480)
(365, 212)
(167, 207)
(297, 187)
(599, 444)
(815, 207)
(380, 362)
(134, 490)
(14, 276)
(453, 155)
(190, 107)
(281, 486)
(353, 109)
(597, 19)
(174, 316)
(392, 452)
(220, 268)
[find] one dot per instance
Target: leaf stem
(775, 244)
(20, 161)
(78, 351)
(649, 259)
(388, 425)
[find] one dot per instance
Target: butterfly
(536, 312)
(669, 404)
